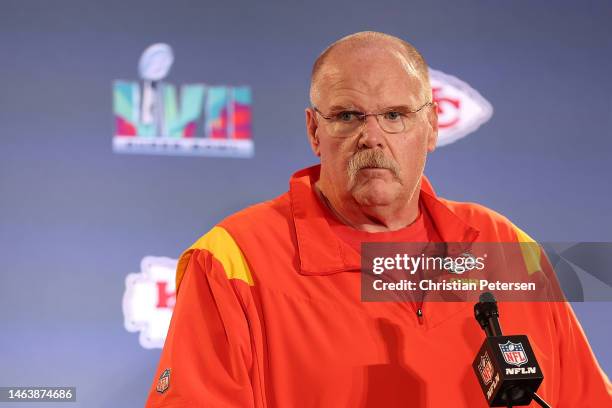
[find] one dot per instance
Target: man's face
(372, 166)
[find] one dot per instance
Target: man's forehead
(355, 56)
(378, 77)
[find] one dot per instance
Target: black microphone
(487, 315)
(506, 366)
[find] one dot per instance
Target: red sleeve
(583, 382)
(209, 348)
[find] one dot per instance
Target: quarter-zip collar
(321, 252)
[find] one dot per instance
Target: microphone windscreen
(487, 297)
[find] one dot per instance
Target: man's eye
(394, 116)
(346, 116)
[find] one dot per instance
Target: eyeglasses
(392, 120)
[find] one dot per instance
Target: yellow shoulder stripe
(530, 250)
(224, 249)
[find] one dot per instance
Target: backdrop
(77, 218)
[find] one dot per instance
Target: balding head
(371, 171)
(365, 43)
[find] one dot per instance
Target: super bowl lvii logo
(206, 120)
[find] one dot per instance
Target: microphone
(487, 315)
(505, 366)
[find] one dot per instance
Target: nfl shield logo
(485, 368)
(164, 381)
(513, 353)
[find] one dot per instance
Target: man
(268, 310)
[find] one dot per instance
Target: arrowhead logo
(149, 299)
(461, 109)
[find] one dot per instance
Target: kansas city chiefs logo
(149, 299)
(461, 109)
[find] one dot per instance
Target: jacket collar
(321, 252)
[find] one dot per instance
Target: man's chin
(375, 191)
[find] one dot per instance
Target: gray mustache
(371, 158)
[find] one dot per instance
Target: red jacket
(268, 314)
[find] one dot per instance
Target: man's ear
(311, 130)
(432, 118)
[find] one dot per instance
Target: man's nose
(371, 134)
